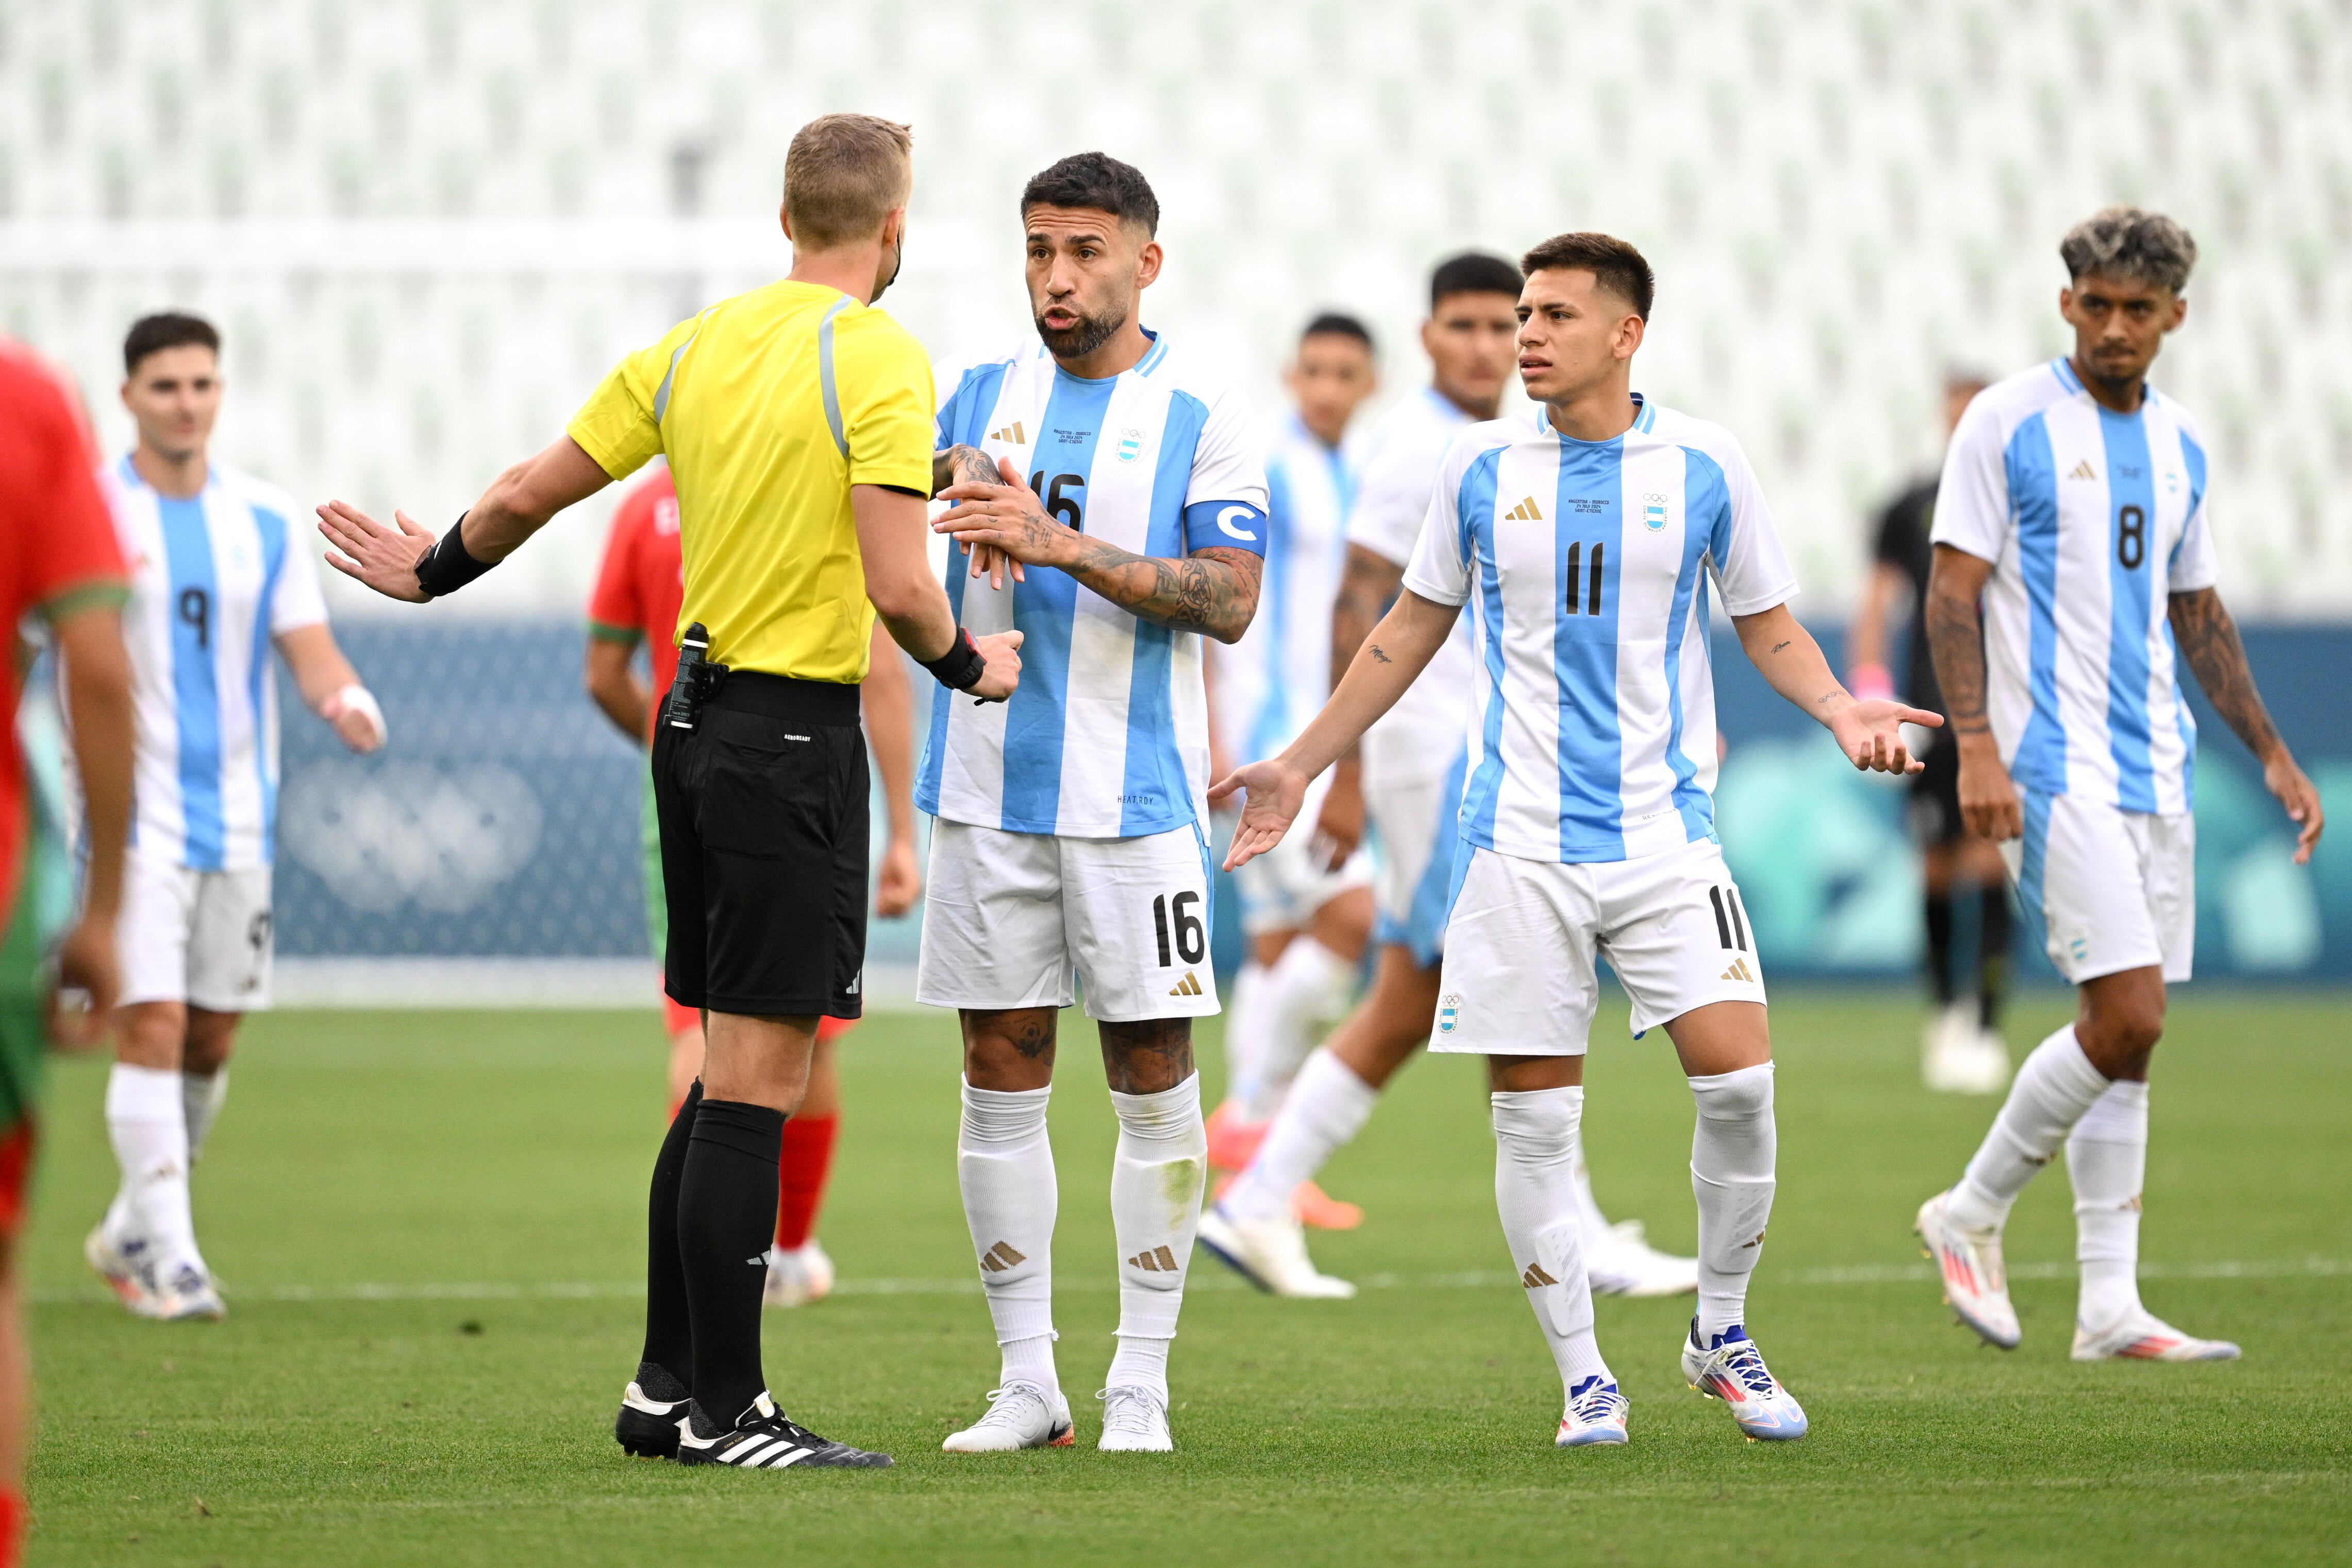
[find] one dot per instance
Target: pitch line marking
(1468, 1279)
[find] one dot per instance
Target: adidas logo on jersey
(1013, 433)
(1536, 1278)
(1000, 1258)
(2082, 470)
(1157, 1261)
(1526, 512)
(1188, 986)
(1739, 971)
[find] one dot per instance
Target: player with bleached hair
(2075, 506)
(1583, 536)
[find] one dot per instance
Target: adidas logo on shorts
(1739, 971)
(1188, 986)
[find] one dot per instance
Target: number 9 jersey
(2091, 518)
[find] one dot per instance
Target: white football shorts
(1416, 826)
(2115, 890)
(1519, 977)
(1281, 890)
(1020, 920)
(197, 937)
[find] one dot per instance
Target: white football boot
(127, 1264)
(1135, 1421)
(1732, 1369)
(1620, 1262)
(797, 1278)
(1958, 1057)
(189, 1293)
(1270, 1254)
(1019, 1415)
(2140, 1335)
(1596, 1415)
(1976, 1280)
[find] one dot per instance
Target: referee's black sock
(668, 1356)
(1938, 911)
(1993, 942)
(726, 1222)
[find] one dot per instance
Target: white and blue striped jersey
(1269, 684)
(213, 579)
(1585, 565)
(1421, 737)
(2090, 518)
(1108, 736)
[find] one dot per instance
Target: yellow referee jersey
(770, 405)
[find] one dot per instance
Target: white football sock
(2106, 1157)
(1245, 1032)
(1535, 1192)
(1733, 1150)
(199, 1101)
(1004, 1166)
(1156, 1179)
(2054, 1087)
(148, 1129)
(1328, 1106)
(1307, 985)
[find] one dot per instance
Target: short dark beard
(1077, 341)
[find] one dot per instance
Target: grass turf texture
(509, 1154)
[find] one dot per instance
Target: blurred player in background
(1584, 534)
(2075, 505)
(1071, 841)
(635, 601)
(1409, 784)
(61, 567)
(218, 580)
(1306, 907)
(1962, 1052)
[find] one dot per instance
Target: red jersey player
(59, 565)
(637, 600)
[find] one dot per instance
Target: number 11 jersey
(2091, 520)
(1108, 736)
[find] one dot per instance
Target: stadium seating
(427, 226)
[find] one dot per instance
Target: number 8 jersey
(213, 578)
(1585, 568)
(2091, 518)
(1108, 736)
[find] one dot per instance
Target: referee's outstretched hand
(383, 558)
(1274, 790)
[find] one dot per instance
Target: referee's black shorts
(762, 811)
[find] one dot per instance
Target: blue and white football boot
(1732, 1368)
(1596, 1415)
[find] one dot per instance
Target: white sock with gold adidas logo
(2052, 1090)
(1734, 1149)
(2106, 1158)
(1535, 1192)
(1157, 1174)
(1004, 1165)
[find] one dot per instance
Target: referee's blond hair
(843, 175)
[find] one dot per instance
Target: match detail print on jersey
(1585, 569)
(2081, 685)
(1108, 735)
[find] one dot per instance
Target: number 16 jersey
(1108, 736)
(2091, 518)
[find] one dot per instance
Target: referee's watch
(959, 668)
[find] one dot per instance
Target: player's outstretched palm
(383, 558)
(1872, 734)
(1274, 793)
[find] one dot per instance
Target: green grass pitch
(432, 1227)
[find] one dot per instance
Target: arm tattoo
(1956, 638)
(1368, 585)
(1149, 1057)
(963, 464)
(1779, 645)
(1380, 658)
(2208, 638)
(1212, 591)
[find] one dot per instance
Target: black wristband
(446, 567)
(959, 668)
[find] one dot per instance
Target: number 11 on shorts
(1191, 941)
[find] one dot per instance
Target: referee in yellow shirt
(797, 422)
